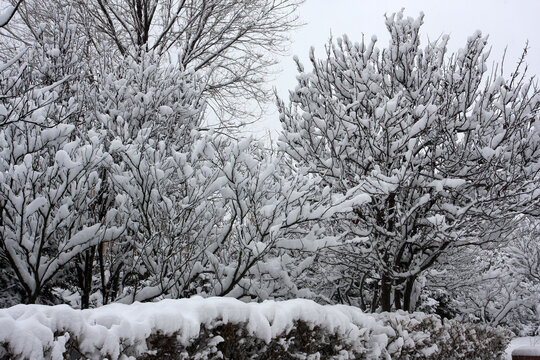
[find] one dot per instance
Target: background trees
(136, 78)
(398, 169)
(448, 155)
(495, 284)
(167, 207)
(231, 42)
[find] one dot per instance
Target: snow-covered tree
(7, 14)
(192, 200)
(217, 218)
(199, 213)
(49, 170)
(270, 210)
(148, 115)
(448, 155)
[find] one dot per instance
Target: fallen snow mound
(527, 351)
(522, 342)
(119, 331)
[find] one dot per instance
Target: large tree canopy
(448, 154)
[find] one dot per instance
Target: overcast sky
(508, 22)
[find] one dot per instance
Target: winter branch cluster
(405, 177)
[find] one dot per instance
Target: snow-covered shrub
(233, 341)
(226, 328)
(421, 336)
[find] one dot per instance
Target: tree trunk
(85, 276)
(397, 298)
(32, 298)
(386, 293)
(407, 296)
(375, 300)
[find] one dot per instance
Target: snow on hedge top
(527, 351)
(29, 330)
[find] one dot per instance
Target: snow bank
(527, 351)
(526, 342)
(119, 331)
(29, 330)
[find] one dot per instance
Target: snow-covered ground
(527, 341)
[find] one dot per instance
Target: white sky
(507, 22)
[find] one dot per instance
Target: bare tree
(231, 42)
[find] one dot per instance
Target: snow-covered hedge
(216, 328)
